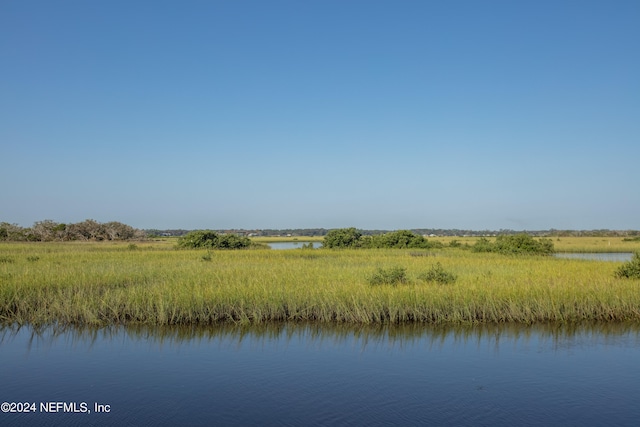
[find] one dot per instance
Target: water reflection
(365, 337)
(597, 256)
(295, 245)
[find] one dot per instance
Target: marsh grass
(438, 274)
(105, 283)
(388, 276)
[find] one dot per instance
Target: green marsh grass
(107, 283)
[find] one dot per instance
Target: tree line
(439, 232)
(51, 231)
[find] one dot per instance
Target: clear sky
(300, 114)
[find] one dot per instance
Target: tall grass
(106, 283)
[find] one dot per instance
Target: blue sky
(301, 114)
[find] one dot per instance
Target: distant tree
(8, 231)
(88, 229)
(12, 232)
(46, 231)
(119, 231)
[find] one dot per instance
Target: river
(304, 375)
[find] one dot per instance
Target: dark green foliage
(342, 238)
(517, 244)
(6, 259)
(389, 276)
(207, 239)
(401, 239)
(231, 241)
(631, 269)
(33, 258)
(438, 274)
(483, 245)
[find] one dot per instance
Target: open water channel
(304, 375)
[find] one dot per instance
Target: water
(618, 257)
(309, 375)
(293, 245)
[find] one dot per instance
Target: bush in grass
(483, 245)
(342, 238)
(517, 244)
(631, 269)
(207, 239)
(401, 239)
(438, 274)
(455, 244)
(389, 276)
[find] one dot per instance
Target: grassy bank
(151, 283)
(567, 244)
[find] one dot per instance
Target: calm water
(293, 245)
(307, 375)
(620, 257)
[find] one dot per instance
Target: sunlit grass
(151, 283)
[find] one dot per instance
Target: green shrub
(483, 245)
(207, 239)
(438, 274)
(33, 258)
(401, 239)
(517, 244)
(631, 269)
(342, 238)
(390, 276)
(206, 257)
